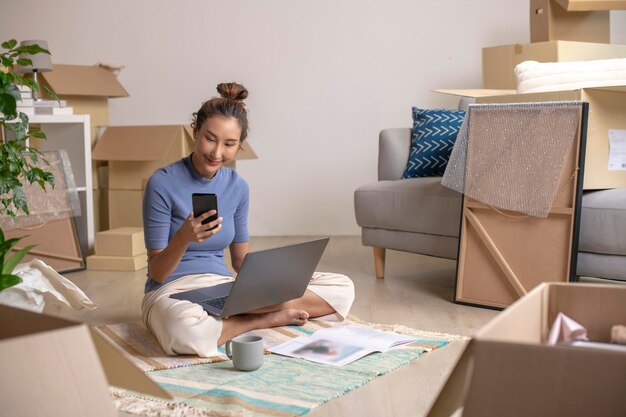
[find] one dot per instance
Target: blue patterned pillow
(432, 139)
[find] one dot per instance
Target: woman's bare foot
(236, 325)
(286, 317)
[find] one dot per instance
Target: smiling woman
(185, 254)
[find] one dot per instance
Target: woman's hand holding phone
(192, 230)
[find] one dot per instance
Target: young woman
(183, 254)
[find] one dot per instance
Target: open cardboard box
(607, 107)
(54, 367)
(507, 370)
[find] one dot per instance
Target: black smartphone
(202, 203)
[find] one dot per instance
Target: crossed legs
(295, 312)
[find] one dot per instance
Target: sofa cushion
(603, 222)
(432, 139)
(420, 205)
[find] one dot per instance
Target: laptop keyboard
(216, 302)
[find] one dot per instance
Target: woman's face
(217, 143)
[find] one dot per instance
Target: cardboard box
(571, 20)
(135, 152)
(86, 88)
(123, 241)
(55, 367)
(499, 61)
(506, 370)
(117, 263)
(607, 107)
(125, 208)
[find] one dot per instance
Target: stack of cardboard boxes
(120, 249)
(560, 30)
(565, 30)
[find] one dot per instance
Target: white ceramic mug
(246, 352)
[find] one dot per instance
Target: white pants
(183, 327)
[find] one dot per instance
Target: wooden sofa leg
(379, 262)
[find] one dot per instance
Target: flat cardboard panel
(56, 244)
(502, 258)
(123, 241)
(530, 246)
(499, 61)
(51, 367)
(125, 208)
(549, 21)
(507, 370)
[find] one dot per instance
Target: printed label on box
(617, 150)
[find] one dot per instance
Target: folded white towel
(536, 77)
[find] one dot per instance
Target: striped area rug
(282, 387)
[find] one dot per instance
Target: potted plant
(18, 161)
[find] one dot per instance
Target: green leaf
(6, 246)
(6, 61)
(8, 106)
(31, 50)
(10, 44)
(7, 281)
(7, 77)
(24, 62)
(13, 91)
(15, 259)
(37, 134)
(19, 199)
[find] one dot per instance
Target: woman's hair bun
(233, 91)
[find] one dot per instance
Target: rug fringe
(152, 407)
(399, 328)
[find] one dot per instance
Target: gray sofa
(419, 215)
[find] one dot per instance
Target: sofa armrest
(394, 146)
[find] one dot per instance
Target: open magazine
(341, 345)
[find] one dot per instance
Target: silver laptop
(266, 277)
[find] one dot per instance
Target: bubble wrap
(512, 156)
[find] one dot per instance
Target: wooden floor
(416, 292)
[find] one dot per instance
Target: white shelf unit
(73, 133)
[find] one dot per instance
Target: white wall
(324, 77)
